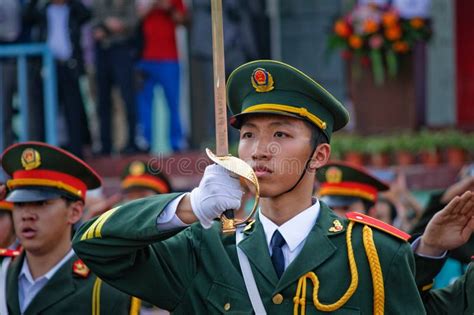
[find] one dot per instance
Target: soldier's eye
(246, 135)
(280, 134)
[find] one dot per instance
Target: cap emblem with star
(262, 80)
(333, 175)
(30, 159)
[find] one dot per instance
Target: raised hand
(449, 228)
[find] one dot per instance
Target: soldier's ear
(320, 156)
(76, 210)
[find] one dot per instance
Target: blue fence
(21, 53)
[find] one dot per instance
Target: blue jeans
(166, 74)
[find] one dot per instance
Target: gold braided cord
(299, 300)
(375, 269)
(135, 305)
(96, 296)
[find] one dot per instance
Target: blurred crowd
(111, 55)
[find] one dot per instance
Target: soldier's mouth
(28, 232)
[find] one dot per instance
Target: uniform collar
(26, 273)
(295, 230)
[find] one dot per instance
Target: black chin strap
(315, 145)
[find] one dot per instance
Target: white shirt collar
(295, 230)
(25, 269)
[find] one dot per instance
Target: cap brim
(31, 195)
(338, 201)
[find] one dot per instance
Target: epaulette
(368, 220)
(80, 269)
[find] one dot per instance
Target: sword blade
(220, 106)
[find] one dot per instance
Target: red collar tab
(80, 269)
(5, 252)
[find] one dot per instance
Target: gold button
(227, 306)
(277, 298)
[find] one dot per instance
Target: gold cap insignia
(80, 269)
(30, 159)
(336, 226)
(334, 175)
(137, 168)
(262, 80)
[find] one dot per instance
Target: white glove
(217, 192)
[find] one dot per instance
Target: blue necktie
(278, 260)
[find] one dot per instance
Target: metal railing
(21, 52)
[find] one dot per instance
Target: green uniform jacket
(196, 271)
(67, 293)
(457, 298)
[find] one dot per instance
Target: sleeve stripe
(90, 231)
(102, 220)
(95, 229)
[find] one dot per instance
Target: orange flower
(393, 33)
(417, 23)
(370, 26)
(342, 29)
(401, 47)
(390, 18)
(355, 42)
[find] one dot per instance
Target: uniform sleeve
(401, 293)
(453, 299)
(125, 248)
(426, 269)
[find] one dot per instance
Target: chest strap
(249, 279)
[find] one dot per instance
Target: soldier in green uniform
(48, 188)
(346, 187)
(168, 250)
(141, 179)
(9, 248)
(449, 229)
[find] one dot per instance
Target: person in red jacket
(159, 64)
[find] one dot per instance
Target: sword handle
(228, 222)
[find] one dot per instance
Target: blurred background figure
(114, 26)
(385, 211)
(159, 65)
(59, 24)
(458, 258)
(140, 179)
(347, 188)
(16, 18)
(398, 204)
(9, 246)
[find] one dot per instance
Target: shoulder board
(80, 269)
(4, 252)
(368, 220)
